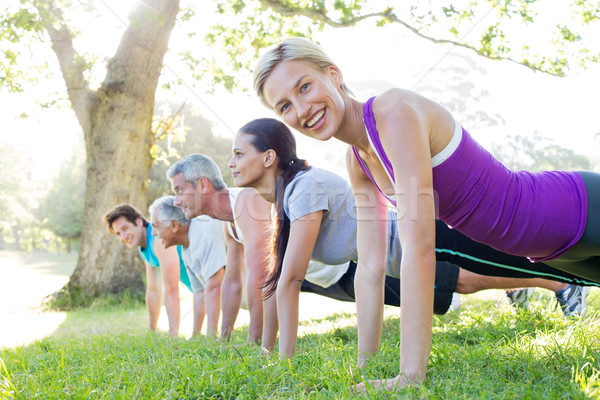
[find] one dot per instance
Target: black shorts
(446, 277)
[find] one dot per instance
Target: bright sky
(564, 109)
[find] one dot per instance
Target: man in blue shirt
(164, 267)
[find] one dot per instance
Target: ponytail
(281, 234)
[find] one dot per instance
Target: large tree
(116, 118)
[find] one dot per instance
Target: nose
(177, 200)
(231, 164)
(302, 109)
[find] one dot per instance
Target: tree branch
(320, 15)
(136, 66)
(71, 63)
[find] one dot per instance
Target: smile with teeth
(315, 119)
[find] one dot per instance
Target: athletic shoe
(520, 298)
(572, 300)
(455, 303)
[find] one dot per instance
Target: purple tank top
(538, 215)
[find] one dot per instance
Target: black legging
(458, 249)
(583, 259)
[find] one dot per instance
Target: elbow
(290, 284)
(231, 286)
(372, 269)
(171, 291)
(152, 293)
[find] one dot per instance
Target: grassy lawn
(484, 350)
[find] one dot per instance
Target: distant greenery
(483, 350)
(180, 131)
(61, 209)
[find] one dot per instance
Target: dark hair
(128, 211)
(271, 134)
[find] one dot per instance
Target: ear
(139, 222)
(174, 225)
(335, 75)
(269, 157)
(204, 184)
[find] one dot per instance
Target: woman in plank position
(409, 151)
(316, 221)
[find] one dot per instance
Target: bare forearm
(255, 307)
(153, 303)
(287, 313)
(231, 295)
(213, 309)
(199, 313)
(173, 310)
(369, 289)
(416, 316)
(270, 324)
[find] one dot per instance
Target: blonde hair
(287, 50)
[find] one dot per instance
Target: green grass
(484, 350)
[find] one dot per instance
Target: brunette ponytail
(271, 134)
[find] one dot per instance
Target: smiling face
(187, 197)
(306, 98)
(130, 234)
(163, 231)
(247, 163)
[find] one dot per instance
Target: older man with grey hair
(199, 189)
(204, 255)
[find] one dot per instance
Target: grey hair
(196, 166)
(290, 49)
(165, 210)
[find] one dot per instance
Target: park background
(529, 119)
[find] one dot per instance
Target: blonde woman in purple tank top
(409, 150)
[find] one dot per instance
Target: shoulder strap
(369, 121)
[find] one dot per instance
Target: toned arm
(153, 295)
(370, 274)
(169, 268)
(231, 290)
(303, 235)
(212, 300)
(408, 127)
(255, 223)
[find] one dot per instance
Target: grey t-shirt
(319, 190)
(206, 253)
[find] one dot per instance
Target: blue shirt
(147, 254)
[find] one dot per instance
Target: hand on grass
(377, 384)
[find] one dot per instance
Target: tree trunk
(17, 236)
(117, 123)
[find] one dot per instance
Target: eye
(304, 87)
(284, 108)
